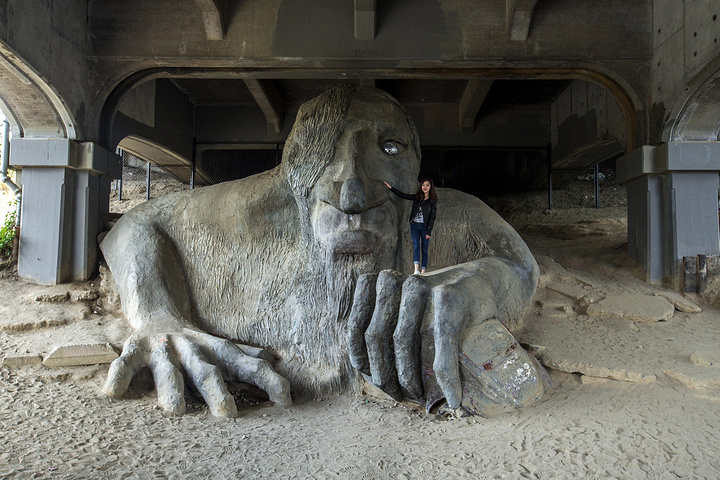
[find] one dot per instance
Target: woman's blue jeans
(420, 243)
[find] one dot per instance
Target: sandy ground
(633, 399)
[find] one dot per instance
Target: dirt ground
(633, 398)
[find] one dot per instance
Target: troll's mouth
(354, 241)
(363, 232)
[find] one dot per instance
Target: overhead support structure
(518, 15)
(365, 14)
(170, 161)
(672, 209)
(31, 106)
(213, 15)
(472, 99)
(584, 158)
(268, 100)
(66, 196)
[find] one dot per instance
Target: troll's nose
(353, 197)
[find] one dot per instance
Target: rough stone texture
(572, 291)
(548, 298)
(556, 311)
(548, 265)
(108, 289)
(84, 296)
(544, 280)
(53, 297)
(691, 378)
(16, 361)
(588, 380)
(642, 308)
(706, 358)
(71, 355)
(679, 350)
(280, 271)
(594, 370)
(39, 315)
(681, 303)
(584, 280)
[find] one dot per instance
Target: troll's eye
(391, 148)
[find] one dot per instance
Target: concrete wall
(421, 29)
(582, 114)
(504, 126)
(128, 39)
(686, 41)
(134, 36)
(138, 103)
(501, 126)
(156, 110)
(605, 39)
(240, 124)
(51, 37)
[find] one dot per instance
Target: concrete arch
(172, 162)
(622, 91)
(33, 108)
(696, 115)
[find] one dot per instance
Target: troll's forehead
(320, 122)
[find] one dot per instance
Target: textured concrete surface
(74, 355)
(15, 361)
(640, 308)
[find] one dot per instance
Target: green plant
(7, 233)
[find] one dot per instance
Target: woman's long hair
(432, 193)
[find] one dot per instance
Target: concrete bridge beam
(672, 208)
(66, 186)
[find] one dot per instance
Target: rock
(556, 311)
(589, 299)
(73, 355)
(682, 304)
(641, 308)
(368, 388)
(706, 358)
(548, 265)
(84, 296)
(588, 380)
(549, 298)
(53, 297)
(17, 361)
(544, 280)
(569, 290)
(584, 280)
(697, 380)
(595, 370)
(534, 349)
(108, 289)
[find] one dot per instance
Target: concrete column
(64, 185)
(645, 225)
(672, 206)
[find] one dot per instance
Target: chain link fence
(498, 177)
(218, 163)
(142, 180)
(520, 177)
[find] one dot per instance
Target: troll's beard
(317, 353)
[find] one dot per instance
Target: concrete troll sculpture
(301, 265)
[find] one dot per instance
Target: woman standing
(422, 218)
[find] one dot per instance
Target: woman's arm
(397, 192)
